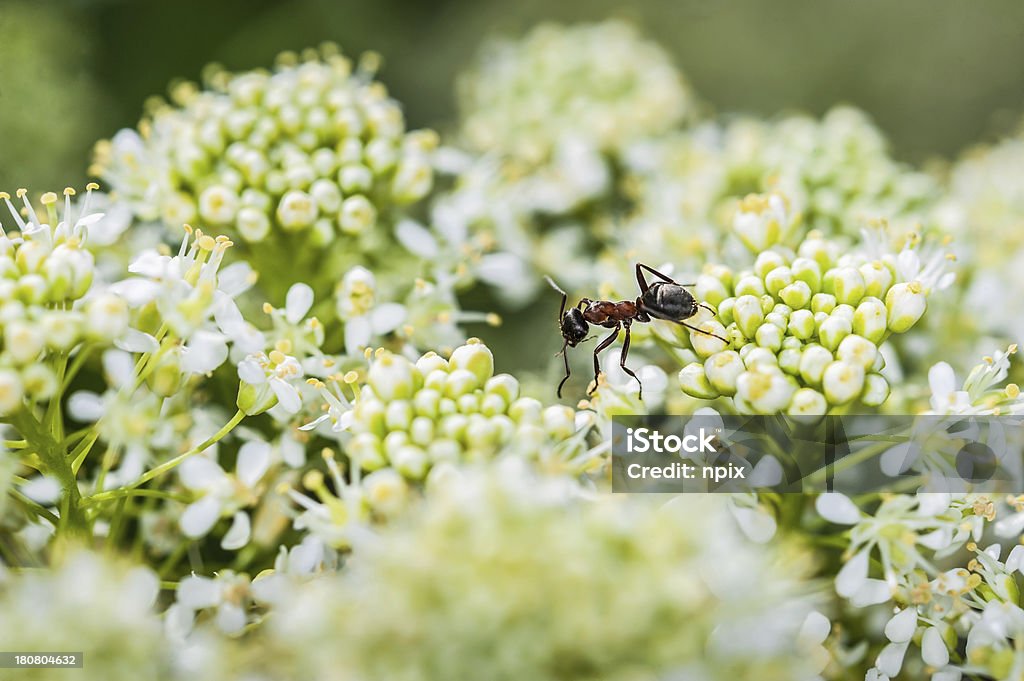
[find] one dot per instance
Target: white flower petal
(41, 489)
(236, 278)
(387, 317)
(1011, 526)
(853, 576)
(200, 516)
(890, 660)
(85, 406)
(837, 508)
(204, 352)
(239, 533)
(119, 367)
(358, 332)
(900, 628)
(253, 461)
(815, 628)
(230, 618)
(249, 371)
(200, 472)
(934, 652)
(178, 621)
(292, 451)
(941, 380)
(196, 592)
(758, 525)
(873, 591)
(134, 340)
(287, 396)
(417, 239)
(298, 302)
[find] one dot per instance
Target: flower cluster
(606, 585)
(48, 305)
(103, 609)
(313, 157)
(801, 330)
(411, 422)
(545, 122)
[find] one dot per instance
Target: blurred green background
(936, 75)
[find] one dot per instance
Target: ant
(665, 299)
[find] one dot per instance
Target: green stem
(818, 476)
(168, 465)
(53, 456)
(15, 444)
(82, 451)
(76, 365)
(124, 493)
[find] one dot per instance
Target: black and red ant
(665, 299)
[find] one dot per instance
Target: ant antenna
(551, 282)
(708, 308)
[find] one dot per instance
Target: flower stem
(167, 465)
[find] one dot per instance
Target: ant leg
(622, 363)
(600, 348)
(565, 357)
(565, 296)
(708, 308)
(643, 282)
(694, 328)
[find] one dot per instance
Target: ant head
(574, 327)
(668, 301)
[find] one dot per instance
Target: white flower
(272, 376)
(223, 493)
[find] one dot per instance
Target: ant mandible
(665, 299)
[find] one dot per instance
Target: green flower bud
(877, 278)
(296, 211)
(842, 382)
(758, 355)
(475, 357)
(847, 285)
(252, 399)
(426, 403)
(469, 404)
(807, 402)
(778, 319)
(411, 461)
(750, 286)
(823, 252)
(767, 261)
(526, 410)
(436, 380)
(454, 426)
(769, 336)
(823, 302)
(559, 421)
(722, 369)
(748, 314)
(421, 430)
(394, 441)
(905, 304)
(694, 382)
(253, 224)
(876, 390)
(789, 361)
(398, 415)
(807, 271)
(444, 450)
(504, 386)
(357, 215)
(370, 415)
(23, 341)
(796, 295)
(460, 382)
(40, 381)
(392, 377)
(726, 311)
(711, 290)
(366, 450)
(869, 320)
(801, 324)
(767, 304)
(857, 350)
(833, 330)
(431, 361)
(705, 345)
(813, 361)
(765, 389)
(492, 405)
(778, 279)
